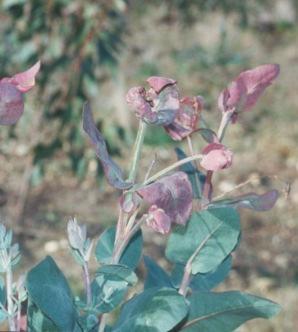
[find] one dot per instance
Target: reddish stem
(207, 190)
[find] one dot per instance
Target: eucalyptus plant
(177, 201)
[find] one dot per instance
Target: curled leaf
(251, 201)
(77, 234)
(11, 104)
(158, 105)
(112, 171)
(25, 80)
(186, 119)
(243, 93)
(157, 83)
(216, 157)
(170, 200)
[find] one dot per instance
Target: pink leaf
(158, 220)
(170, 196)
(11, 104)
(157, 83)
(24, 81)
(243, 93)
(186, 119)
(155, 108)
(216, 157)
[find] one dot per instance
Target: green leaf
(89, 322)
(203, 281)
(196, 178)
(50, 292)
(131, 255)
(224, 312)
(2, 292)
(37, 321)
(156, 276)
(3, 314)
(110, 286)
(154, 310)
(210, 235)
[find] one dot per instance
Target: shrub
(201, 236)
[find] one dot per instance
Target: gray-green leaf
(154, 310)
(210, 235)
(49, 291)
(131, 255)
(110, 286)
(224, 312)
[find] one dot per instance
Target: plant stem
(87, 283)
(9, 296)
(206, 196)
(197, 179)
(121, 239)
(120, 225)
(102, 324)
(173, 166)
(125, 240)
(137, 151)
(225, 120)
(185, 279)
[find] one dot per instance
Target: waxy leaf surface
(213, 234)
(156, 309)
(213, 312)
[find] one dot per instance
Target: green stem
(9, 296)
(172, 167)
(87, 283)
(225, 120)
(137, 151)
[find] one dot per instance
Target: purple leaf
(11, 94)
(25, 80)
(11, 104)
(157, 108)
(170, 200)
(243, 93)
(165, 105)
(186, 119)
(136, 98)
(216, 157)
(158, 83)
(112, 171)
(251, 201)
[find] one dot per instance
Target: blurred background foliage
(80, 45)
(95, 50)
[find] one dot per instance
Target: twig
(87, 283)
(137, 151)
(172, 167)
(9, 295)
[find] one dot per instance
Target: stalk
(87, 283)
(172, 167)
(137, 151)
(225, 120)
(9, 295)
